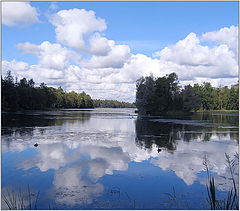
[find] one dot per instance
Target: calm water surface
(110, 159)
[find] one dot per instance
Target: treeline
(112, 104)
(23, 95)
(164, 94)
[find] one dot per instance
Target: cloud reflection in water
(83, 152)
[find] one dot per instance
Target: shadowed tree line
(24, 95)
(160, 95)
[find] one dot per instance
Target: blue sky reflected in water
(109, 159)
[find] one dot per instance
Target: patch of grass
(213, 111)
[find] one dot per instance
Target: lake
(111, 159)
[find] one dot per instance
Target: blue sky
(145, 27)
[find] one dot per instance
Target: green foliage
(232, 100)
(24, 96)
(160, 95)
(145, 96)
(190, 98)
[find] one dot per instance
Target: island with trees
(164, 95)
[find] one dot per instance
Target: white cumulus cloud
(99, 45)
(226, 35)
(191, 59)
(18, 13)
(73, 25)
(50, 55)
(116, 58)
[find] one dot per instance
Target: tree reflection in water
(83, 150)
(165, 132)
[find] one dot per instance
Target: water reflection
(165, 133)
(74, 185)
(82, 148)
(77, 184)
(29, 120)
(150, 134)
(186, 139)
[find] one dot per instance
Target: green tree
(9, 93)
(233, 98)
(146, 89)
(190, 99)
(158, 95)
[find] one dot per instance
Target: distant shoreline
(177, 113)
(60, 109)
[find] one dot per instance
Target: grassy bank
(215, 111)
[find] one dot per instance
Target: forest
(164, 94)
(24, 95)
(154, 96)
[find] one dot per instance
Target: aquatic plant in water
(231, 202)
(20, 200)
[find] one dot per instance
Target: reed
(231, 202)
(19, 200)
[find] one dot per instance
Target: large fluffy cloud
(39, 74)
(192, 59)
(50, 55)
(226, 35)
(16, 13)
(72, 26)
(99, 45)
(81, 29)
(118, 55)
(105, 70)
